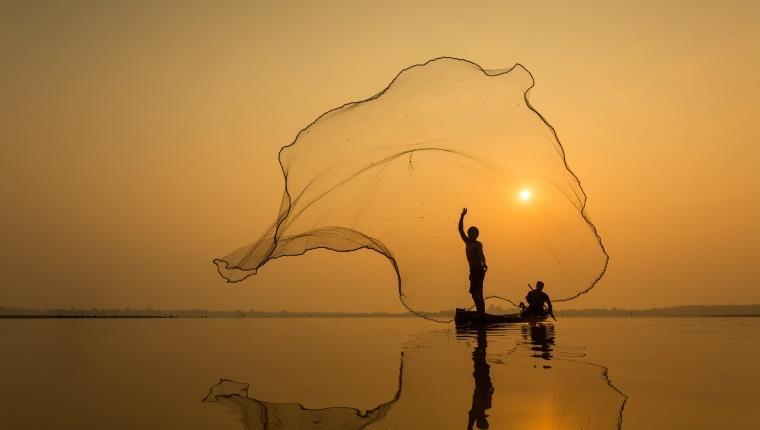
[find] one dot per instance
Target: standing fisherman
(477, 261)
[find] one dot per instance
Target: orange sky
(140, 140)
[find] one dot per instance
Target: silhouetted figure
(483, 393)
(477, 261)
(536, 300)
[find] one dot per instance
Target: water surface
(379, 373)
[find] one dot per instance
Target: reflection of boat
(463, 316)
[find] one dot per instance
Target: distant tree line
(10, 312)
(675, 311)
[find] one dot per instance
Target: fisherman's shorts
(476, 281)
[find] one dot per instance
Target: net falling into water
(391, 173)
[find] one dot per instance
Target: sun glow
(525, 195)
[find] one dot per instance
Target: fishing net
(392, 173)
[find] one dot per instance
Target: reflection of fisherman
(537, 299)
(477, 261)
(542, 339)
(481, 396)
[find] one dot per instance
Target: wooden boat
(463, 316)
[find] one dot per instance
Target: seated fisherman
(536, 300)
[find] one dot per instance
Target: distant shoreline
(704, 311)
(367, 316)
(294, 315)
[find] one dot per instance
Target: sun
(525, 195)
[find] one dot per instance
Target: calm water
(691, 373)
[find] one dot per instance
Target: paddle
(551, 314)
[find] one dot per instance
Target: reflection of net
(486, 377)
(259, 415)
(391, 174)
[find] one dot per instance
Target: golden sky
(139, 140)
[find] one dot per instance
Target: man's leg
(477, 299)
(476, 289)
(480, 303)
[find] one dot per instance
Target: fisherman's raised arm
(461, 224)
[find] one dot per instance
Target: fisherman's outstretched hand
(464, 211)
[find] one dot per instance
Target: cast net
(392, 173)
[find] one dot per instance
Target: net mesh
(392, 173)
